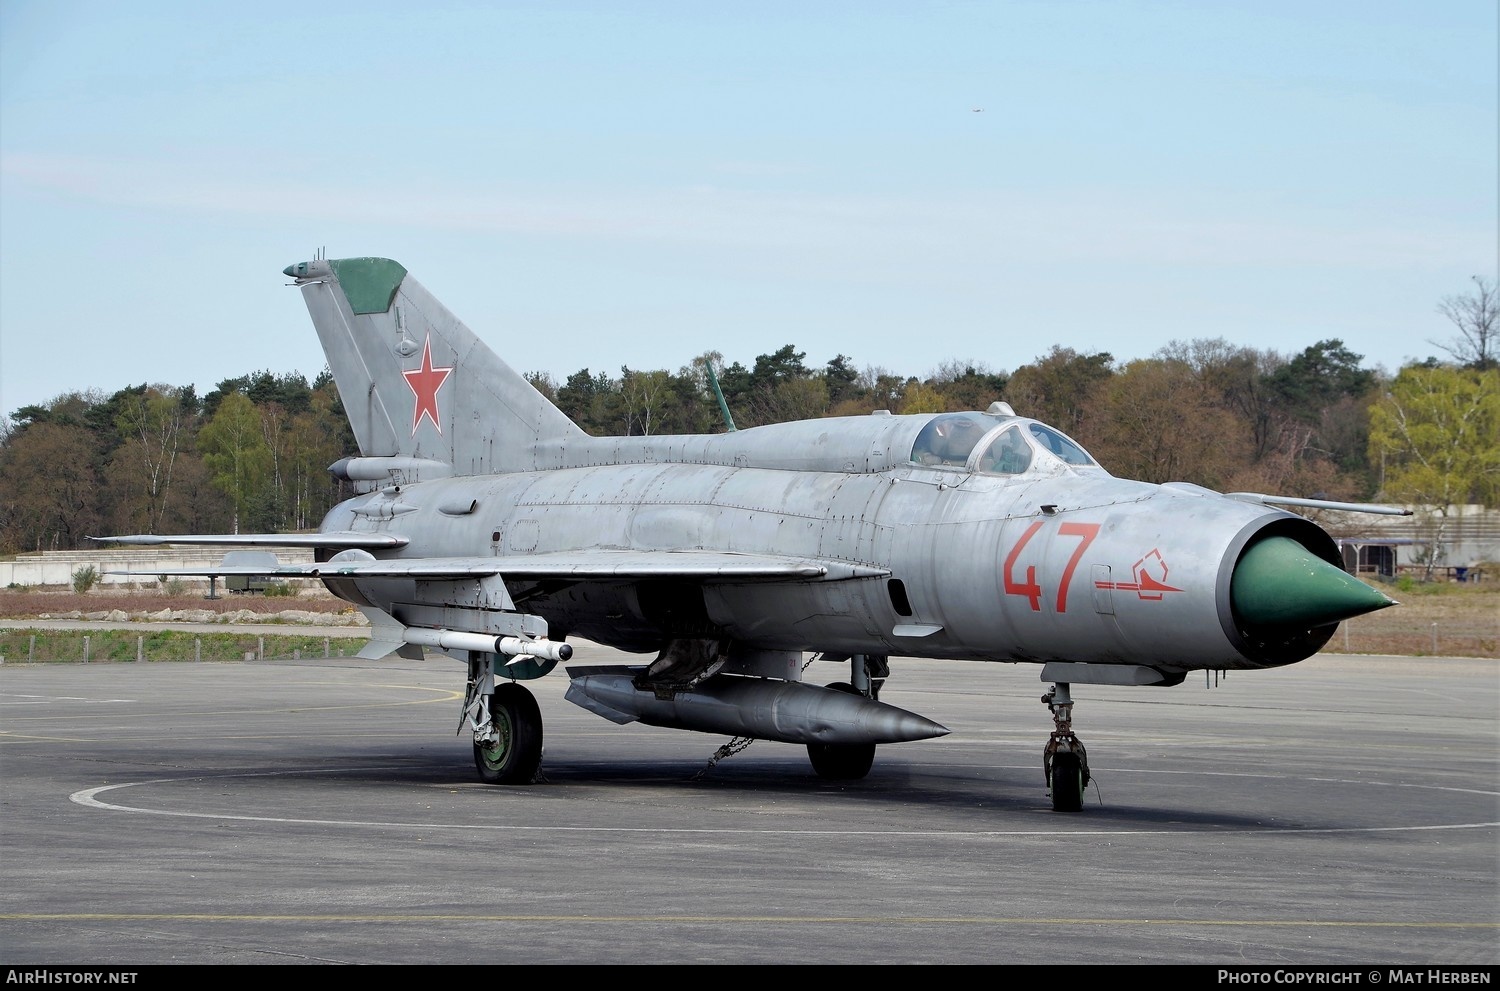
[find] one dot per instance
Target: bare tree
(645, 395)
(1477, 317)
(152, 422)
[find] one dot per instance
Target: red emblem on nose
(1150, 578)
(425, 383)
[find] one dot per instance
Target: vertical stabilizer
(414, 380)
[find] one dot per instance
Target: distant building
(1462, 544)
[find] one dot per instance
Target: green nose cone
(1281, 583)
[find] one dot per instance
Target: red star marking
(425, 383)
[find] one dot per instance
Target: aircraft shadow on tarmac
(686, 792)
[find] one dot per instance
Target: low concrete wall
(57, 567)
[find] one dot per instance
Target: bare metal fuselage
(1070, 565)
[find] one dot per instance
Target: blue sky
(606, 184)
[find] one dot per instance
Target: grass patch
(1408, 585)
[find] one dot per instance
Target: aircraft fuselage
(1075, 565)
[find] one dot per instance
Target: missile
(760, 708)
(516, 647)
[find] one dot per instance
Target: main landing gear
(851, 761)
(507, 726)
(1064, 761)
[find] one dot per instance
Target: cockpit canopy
(1006, 447)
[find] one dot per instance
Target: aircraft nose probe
(1280, 583)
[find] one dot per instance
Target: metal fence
(1375, 634)
(94, 646)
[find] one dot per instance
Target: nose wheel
(1064, 760)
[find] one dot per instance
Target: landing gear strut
(507, 726)
(1064, 761)
(851, 761)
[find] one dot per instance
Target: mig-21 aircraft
(490, 527)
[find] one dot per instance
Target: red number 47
(1029, 588)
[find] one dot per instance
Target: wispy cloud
(961, 231)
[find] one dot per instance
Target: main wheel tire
(842, 761)
(515, 757)
(1067, 782)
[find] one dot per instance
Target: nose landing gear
(1064, 760)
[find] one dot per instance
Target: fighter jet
(486, 525)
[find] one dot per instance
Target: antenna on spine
(713, 380)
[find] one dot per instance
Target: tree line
(252, 455)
